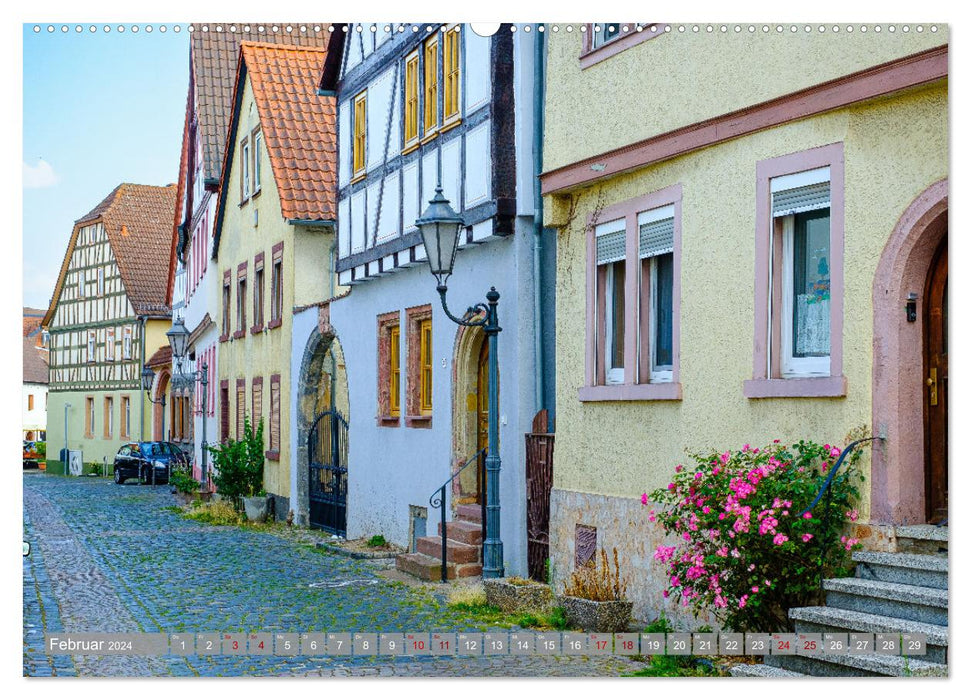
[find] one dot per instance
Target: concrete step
(857, 665)
(457, 552)
(463, 531)
(925, 570)
(922, 539)
(430, 569)
(889, 599)
(471, 512)
(823, 619)
(761, 671)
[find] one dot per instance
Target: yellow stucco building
(273, 241)
(740, 229)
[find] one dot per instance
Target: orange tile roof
(299, 126)
(138, 222)
(161, 357)
(214, 56)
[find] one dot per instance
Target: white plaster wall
(35, 419)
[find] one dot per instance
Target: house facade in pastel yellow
(740, 231)
(273, 239)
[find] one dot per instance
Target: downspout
(333, 290)
(141, 393)
(539, 90)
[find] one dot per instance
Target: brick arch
(897, 475)
(159, 388)
(465, 361)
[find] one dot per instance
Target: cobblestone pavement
(109, 558)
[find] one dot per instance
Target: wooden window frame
(636, 384)
(415, 416)
(227, 301)
(430, 88)
(359, 137)
(224, 410)
(109, 410)
(125, 416)
(259, 281)
(30, 402)
(412, 102)
(452, 79)
(273, 453)
(276, 288)
(767, 380)
(89, 417)
(240, 300)
(386, 369)
(240, 407)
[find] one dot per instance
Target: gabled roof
(299, 129)
(35, 363)
(138, 223)
(161, 357)
(214, 55)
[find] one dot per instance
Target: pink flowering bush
(741, 546)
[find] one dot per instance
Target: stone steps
(762, 671)
(925, 570)
(463, 531)
(471, 512)
(825, 619)
(457, 552)
(922, 539)
(430, 568)
(889, 599)
(844, 665)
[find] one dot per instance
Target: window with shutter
(274, 452)
(240, 407)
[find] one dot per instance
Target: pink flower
(779, 539)
(834, 452)
(775, 442)
(742, 601)
(755, 589)
(671, 486)
(679, 469)
(644, 500)
(665, 593)
(806, 537)
(706, 510)
(698, 476)
(663, 554)
(768, 582)
(807, 516)
(751, 567)
(745, 447)
(687, 537)
(852, 514)
(675, 581)
(723, 552)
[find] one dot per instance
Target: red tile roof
(161, 357)
(138, 223)
(214, 56)
(299, 127)
(35, 363)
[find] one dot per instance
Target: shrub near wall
(744, 549)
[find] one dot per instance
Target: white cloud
(40, 175)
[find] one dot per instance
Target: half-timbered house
(107, 315)
(419, 105)
(213, 54)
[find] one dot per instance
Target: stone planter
(256, 508)
(184, 499)
(510, 597)
(596, 615)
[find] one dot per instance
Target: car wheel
(119, 479)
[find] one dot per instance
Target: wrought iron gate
(539, 481)
(327, 457)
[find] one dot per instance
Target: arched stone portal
(160, 387)
(322, 385)
(897, 479)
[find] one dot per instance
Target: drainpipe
(539, 90)
(141, 393)
(333, 290)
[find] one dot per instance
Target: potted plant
(238, 473)
(515, 593)
(184, 485)
(594, 597)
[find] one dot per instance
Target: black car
(138, 460)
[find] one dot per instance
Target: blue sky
(99, 109)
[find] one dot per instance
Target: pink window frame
(766, 343)
(632, 388)
(590, 56)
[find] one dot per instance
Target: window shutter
(800, 199)
(275, 414)
(656, 238)
(611, 247)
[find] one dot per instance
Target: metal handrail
(437, 500)
(824, 490)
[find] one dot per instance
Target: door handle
(931, 382)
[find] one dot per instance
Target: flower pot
(256, 508)
(597, 615)
(513, 597)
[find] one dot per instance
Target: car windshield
(152, 449)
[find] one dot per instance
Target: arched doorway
(936, 395)
(322, 390)
(902, 328)
(470, 413)
(158, 413)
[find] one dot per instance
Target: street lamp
(179, 340)
(440, 226)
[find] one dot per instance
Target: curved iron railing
(824, 491)
(438, 499)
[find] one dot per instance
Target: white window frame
(658, 373)
(257, 150)
(246, 168)
(794, 367)
(90, 348)
(612, 375)
(598, 37)
(101, 281)
(126, 343)
(110, 344)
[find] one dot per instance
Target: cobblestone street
(109, 558)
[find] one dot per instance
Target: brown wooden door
(935, 386)
(482, 417)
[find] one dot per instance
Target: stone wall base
(621, 523)
(281, 506)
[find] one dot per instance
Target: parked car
(138, 460)
(31, 455)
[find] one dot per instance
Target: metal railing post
(444, 538)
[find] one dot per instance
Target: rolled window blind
(800, 199)
(657, 238)
(611, 247)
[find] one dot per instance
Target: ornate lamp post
(440, 226)
(178, 337)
